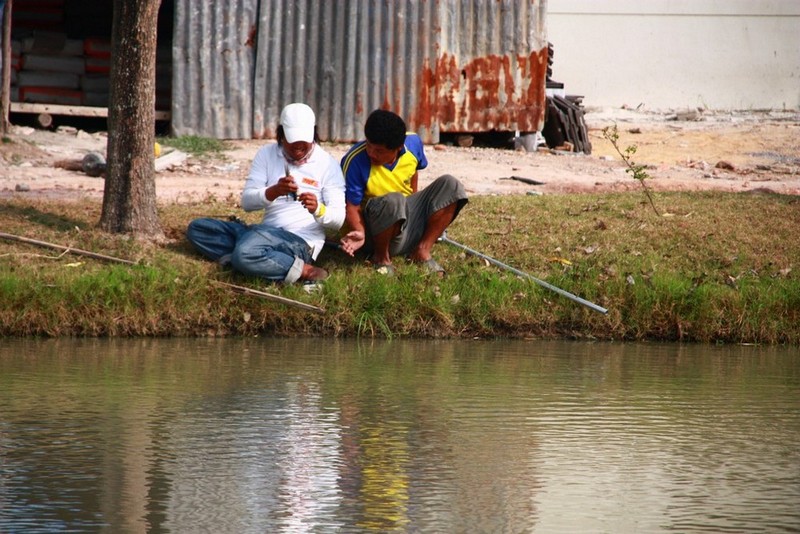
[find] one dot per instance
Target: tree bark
(5, 72)
(129, 197)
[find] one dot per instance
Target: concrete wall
(671, 54)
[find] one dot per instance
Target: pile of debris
(94, 163)
(564, 124)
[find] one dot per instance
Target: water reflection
(264, 435)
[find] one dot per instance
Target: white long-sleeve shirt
(320, 175)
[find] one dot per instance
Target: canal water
(317, 435)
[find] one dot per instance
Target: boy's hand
(352, 241)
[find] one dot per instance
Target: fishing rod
(542, 283)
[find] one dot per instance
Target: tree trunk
(5, 72)
(129, 197)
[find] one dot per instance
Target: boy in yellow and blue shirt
(384, 212)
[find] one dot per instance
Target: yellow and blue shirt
(364, 181)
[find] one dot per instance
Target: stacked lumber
(564, 125)
(16, 66)
(96, 82)
(50, 66)
(163, 77)
(45, 66)
(50, 69)
(45, 15)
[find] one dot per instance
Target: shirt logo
(311, 182)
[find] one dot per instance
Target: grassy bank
(717, 267)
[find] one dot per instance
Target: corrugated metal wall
(445, 66)
(213, 52)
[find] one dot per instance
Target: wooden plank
(584, 135)
(78, 111)
(573, 130)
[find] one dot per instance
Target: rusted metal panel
(491, 68)
(445, 65)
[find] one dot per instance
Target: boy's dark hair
(385, 128)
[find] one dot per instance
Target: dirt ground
(756, 151)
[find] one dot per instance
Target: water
(263, 435)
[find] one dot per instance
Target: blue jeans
(255, 250)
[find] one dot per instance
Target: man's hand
(352, 241)
(309, 201)
(285, 186)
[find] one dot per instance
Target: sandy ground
(721, 151)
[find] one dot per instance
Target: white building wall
(671, 54)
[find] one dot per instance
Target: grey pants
(414, 211)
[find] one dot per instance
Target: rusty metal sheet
(443, 65)
(490, 67)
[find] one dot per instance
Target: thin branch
(270, 296)
(31, 255)
(637, 171)
(65, 250)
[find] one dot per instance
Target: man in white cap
(301, 190)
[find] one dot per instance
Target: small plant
(371, 323)
(193, 144)
(638, 172)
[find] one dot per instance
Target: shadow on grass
(53, 221)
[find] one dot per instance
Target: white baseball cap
(298, 122)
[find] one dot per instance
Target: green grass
(195, 145)
(719, 267)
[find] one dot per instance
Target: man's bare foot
(313, 274)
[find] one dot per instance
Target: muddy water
(263, 435)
